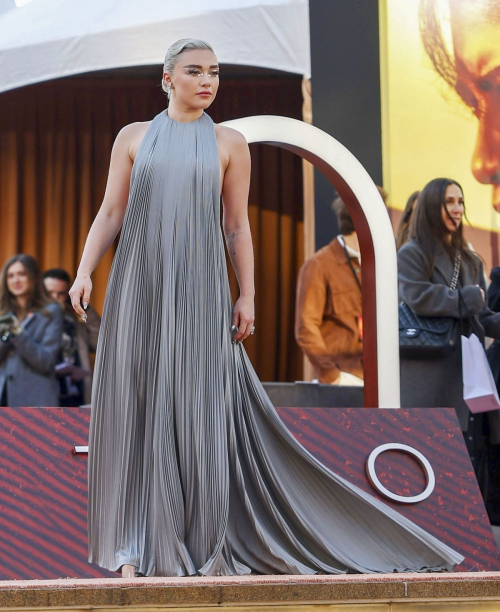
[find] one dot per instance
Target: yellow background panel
(427, 131)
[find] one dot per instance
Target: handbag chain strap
(453, 285)
(456, 269)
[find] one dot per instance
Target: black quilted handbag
(425, 337)
(428, 337)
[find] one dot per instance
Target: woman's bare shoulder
(131, 136)
(229, 136)
(232, 144)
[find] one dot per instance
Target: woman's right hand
(483, 294)
(80, 295)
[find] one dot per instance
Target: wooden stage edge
(426, 592)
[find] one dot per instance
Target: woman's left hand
(243, 318)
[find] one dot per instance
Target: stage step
(478, 592)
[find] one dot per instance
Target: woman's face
(18, 282)
(476, 40)
(453, 207)
(195, 79)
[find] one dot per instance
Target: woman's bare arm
(236, 226)
(109, 219)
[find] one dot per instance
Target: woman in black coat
(494, 305)
(425, 269)
(493, 500)
(30, 336)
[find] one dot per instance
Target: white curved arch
(305, 139)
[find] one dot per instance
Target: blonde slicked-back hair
(172, 57)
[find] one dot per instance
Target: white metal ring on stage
(426, 466)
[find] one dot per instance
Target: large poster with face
(441, 105)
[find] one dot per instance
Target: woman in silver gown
(191, 471)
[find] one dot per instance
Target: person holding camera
(30, 336)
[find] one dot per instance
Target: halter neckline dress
(191, 470)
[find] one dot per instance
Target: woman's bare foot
(128, 571)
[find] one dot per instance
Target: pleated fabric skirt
(191, 470)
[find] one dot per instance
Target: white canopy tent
(48, 39)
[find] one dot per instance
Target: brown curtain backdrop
(55, 144)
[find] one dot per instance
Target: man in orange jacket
(328, 314)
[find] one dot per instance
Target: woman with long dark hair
(30, 336)
(191, 470)
(437, 251)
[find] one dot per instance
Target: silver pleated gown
(191, 470)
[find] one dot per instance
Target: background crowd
(45, 349)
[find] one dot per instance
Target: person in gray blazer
(30, 336)
(425, 269)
